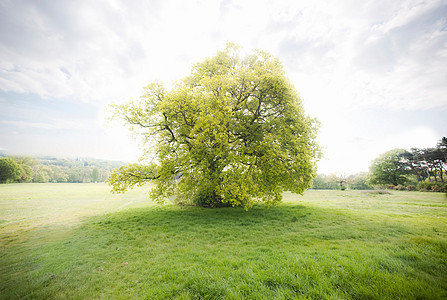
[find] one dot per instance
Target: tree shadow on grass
(232, 237)
(275, 221)
(168, 252)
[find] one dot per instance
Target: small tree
(235, 130)
(95, 174)
(319, 183)
(28, 165)
(358, 182)
(27, 173)
(43, 174)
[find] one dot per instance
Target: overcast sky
(373, 72)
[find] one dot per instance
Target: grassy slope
(327, 244)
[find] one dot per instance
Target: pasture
(78, 241)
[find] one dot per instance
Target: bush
(426, 186)
(441, 188)
(411, 188)
(400, 188)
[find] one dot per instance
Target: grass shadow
(228, 253)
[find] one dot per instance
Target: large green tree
(389, 168)
(232, 133)
(10, 171)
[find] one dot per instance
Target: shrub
(411, 188)
(426, 186)
(423, 186)
(400, 188)
(441, 188)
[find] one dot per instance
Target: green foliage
(319, 183)
(28, 165)
(421, 168)
(95, 174)
(235, 130)
(426, 186)
(359, 182)
(331, 182)
(428, 163)
(326, 182)
(27, 174)
(26, 160)
(50, 169)
(58, 174)
(125, 177)
(400, 188)
(43, 174)
(411, 188)
(10, 171)
(388, 168)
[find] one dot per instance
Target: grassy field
(77, 241)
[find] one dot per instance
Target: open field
(77, 241)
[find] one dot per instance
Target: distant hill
(53, 169)
(80, 162)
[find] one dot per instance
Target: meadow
(78, 241)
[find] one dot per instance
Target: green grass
(77, 241)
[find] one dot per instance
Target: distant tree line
(20, 169)
(341, 182)
(422, 169)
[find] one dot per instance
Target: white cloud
(111, 49)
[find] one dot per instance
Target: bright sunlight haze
(373, 73)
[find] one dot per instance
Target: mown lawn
(76, 241)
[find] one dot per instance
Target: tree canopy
(9, 170)
(233, 132)
(389, 168)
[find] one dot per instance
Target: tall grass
(323, 245)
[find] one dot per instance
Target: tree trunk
(428, 170)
